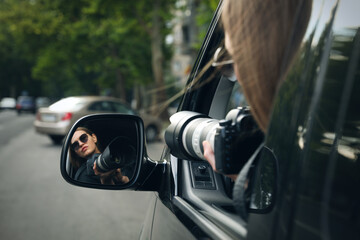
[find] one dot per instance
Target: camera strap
(242, 185)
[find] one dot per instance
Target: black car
(301, 181)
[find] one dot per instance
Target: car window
(25, 99)
(101, 106)
(213, 93)
(42, 101)
(237, 98)
(121, 108)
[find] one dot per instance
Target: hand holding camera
(233, 139)
(117, 155)
(111, 177)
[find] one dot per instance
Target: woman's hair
(264, 36)
(75, 160)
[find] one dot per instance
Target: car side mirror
(119, 139)
(265, 182)
(256, 186)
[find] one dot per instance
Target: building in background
(184, 37)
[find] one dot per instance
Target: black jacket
(86, 173)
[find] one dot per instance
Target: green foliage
(204, 13)
(71, 47)
(63, 47)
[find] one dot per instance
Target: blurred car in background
(7, 103)
(42, 102)
(25, 104)
(57, 119)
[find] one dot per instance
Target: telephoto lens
(186, 133)
(116, 155)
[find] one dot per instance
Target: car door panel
(312, 164)
(166, 225)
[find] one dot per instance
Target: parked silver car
(57, 119)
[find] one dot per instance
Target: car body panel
(315, 148)
(166, 225)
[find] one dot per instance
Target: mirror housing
(108, 127)
(265, 183)
(256, 186)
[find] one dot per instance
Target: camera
(118, 154)
(233, 139)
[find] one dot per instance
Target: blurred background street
(140, 53)
(36, 203)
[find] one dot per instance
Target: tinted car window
(121, 108)
(26, 99)
(237, 98)
(102, 106)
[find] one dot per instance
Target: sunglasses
(222, 60)
(76, 145)
(221, 57)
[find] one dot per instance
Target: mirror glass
(103, 150)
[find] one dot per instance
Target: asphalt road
(36, 203)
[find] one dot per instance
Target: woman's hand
(210, 157)
(209, 154)
(111, 177)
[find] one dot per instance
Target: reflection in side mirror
(104, 151)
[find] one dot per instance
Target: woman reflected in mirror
(84, 150)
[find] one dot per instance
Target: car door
(315, 136)
(194, 199)
(316, 170)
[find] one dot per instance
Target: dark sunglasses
(76, 145)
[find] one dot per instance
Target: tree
(152, 17)
(62, 47)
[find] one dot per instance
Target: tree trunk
(157, 64)
(120, 86)
(120, 89)
(139, 97)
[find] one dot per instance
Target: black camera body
(233, 139)
(236, 139)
